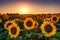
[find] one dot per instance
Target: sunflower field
(29, 26)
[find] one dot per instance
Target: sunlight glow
(24, 10)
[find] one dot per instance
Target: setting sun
(24, 10)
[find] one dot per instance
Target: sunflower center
(29, 23)
(54, 18)
(13, 30)
(9, 24)
(48, 28)
(36, 24)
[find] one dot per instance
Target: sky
(30, 6)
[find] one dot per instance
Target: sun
(24, 10)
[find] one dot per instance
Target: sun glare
(24, 10)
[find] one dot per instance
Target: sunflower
(16, 20)
(8, 23)
(13, 31)
(54, 19)
(29, 23)
(36, 24)
(48, 29)
(47, 19)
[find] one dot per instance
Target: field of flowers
(29, 26)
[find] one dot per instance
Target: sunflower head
(47, 19)
(48, 29)
(16, 20)
(13, 31)
(29, 23)
(54, 19)
(8, 23)
(36, 24)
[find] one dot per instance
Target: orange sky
(32, 8)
